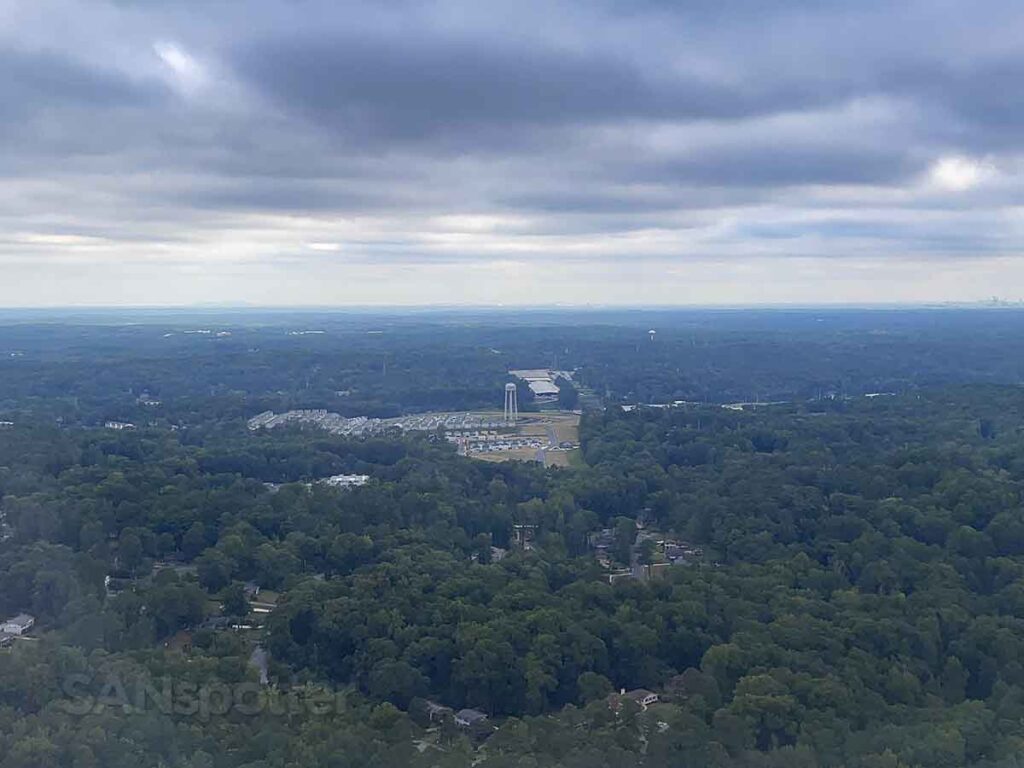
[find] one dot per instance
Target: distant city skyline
(318, 153)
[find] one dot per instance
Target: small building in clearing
(18, 625)
(346, 481)
(467, 718)
(642, 696)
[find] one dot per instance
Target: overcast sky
(473, 152)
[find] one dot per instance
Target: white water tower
(511, 404)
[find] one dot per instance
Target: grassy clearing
(522, 454)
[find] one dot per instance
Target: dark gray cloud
(975, 105)
(38, 84)
(761, 165)
(413, 88)
(35, 79)
(285, 196)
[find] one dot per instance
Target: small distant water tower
(511, 404)
(651, 333)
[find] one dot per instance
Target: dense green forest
(856, 597)
(173, 369)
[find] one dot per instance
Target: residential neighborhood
(639, 552)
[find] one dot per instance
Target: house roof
(639, 694)
(470, 715)
(22, 620)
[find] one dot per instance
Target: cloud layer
(323, 152)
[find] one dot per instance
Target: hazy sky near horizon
(289, 152)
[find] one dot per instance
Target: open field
(519, 454)
(568, 428)
(532, 429)
(561, 458)
(550, 429)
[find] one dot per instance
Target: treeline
(172, 375)
(750, 355)
(187, 370)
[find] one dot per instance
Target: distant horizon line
(441, 307)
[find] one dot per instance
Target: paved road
(258, 660)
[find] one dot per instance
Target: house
(437, 713)
(601, 540)
(345, 481)
(250, 589)
(466, 718)
(619, 575)
(681, 552)
(674, 551)
(642, 696)
(6, 640)
(639, 696)
(18, 625)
